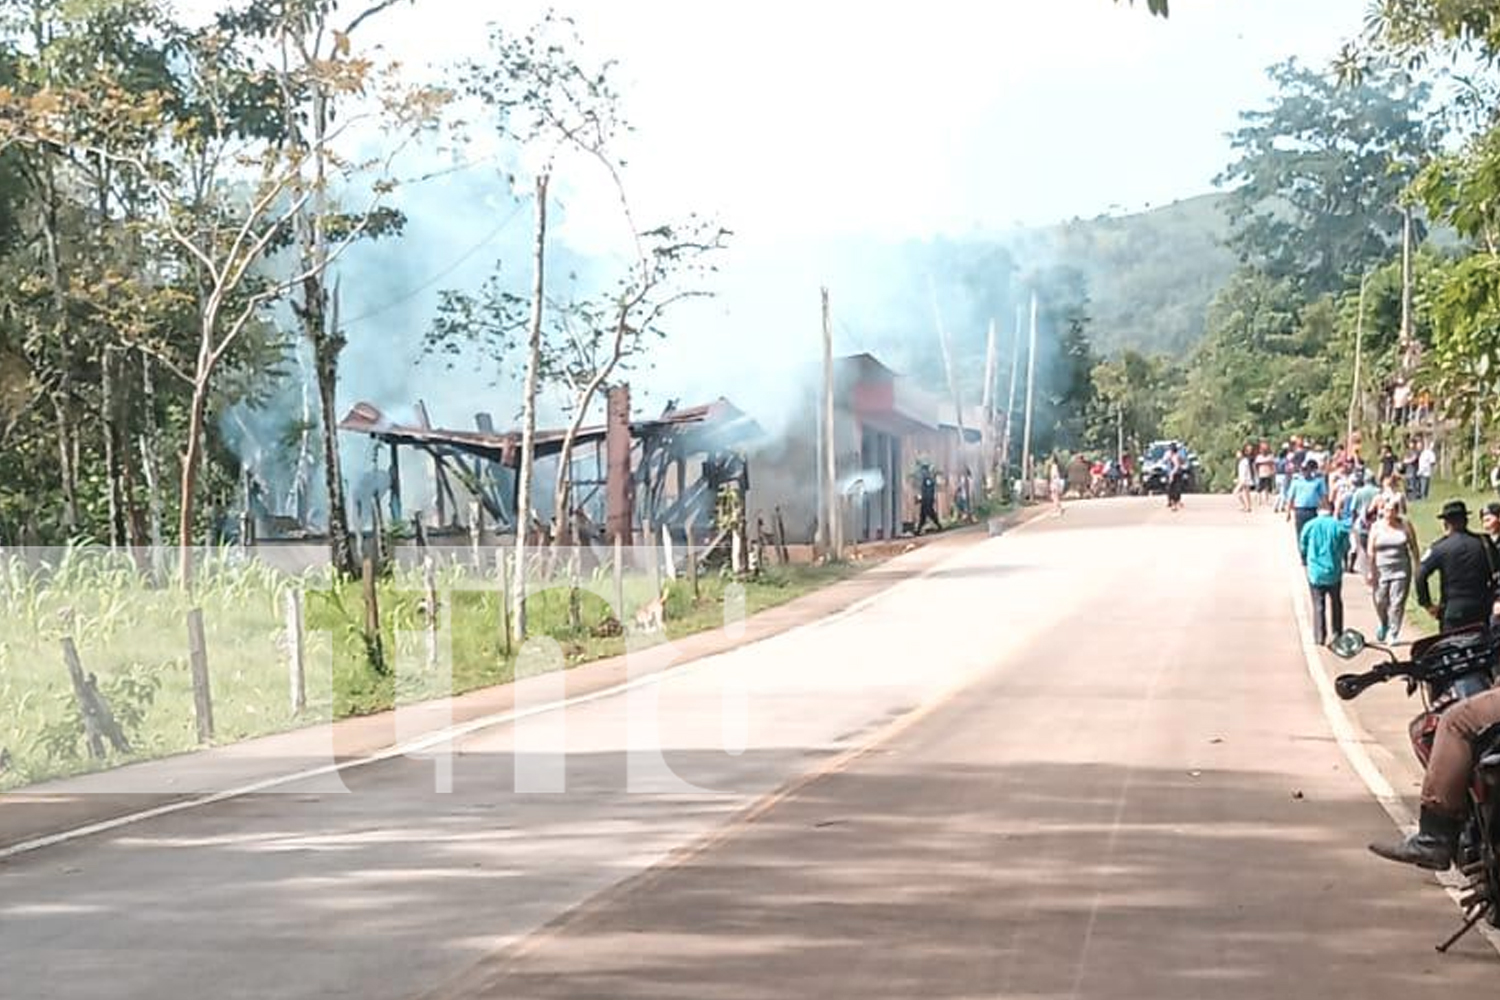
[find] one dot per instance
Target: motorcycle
(1446, 669)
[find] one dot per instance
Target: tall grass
(132, 634)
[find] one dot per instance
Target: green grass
(134, 638)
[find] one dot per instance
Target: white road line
(1352, 740)
(449, 734)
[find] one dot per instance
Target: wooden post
(987, 410)
(203, 703)
(1359, 349)
(373, 642)
(430, 601)
(476, 533)
(377, 532)
(620, 579)
(1010, 399)
(1027, 472)
(958, 402)
(575, 593)
(781, 550)
(359, 530)
(502, 564)
(692, 562)
(832, 533)
(655, 561)
(91, 727)
(669, 558)
(296, 663)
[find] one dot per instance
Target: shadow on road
(1006, 882)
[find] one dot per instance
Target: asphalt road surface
(1084, 759)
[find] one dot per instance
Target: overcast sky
(817, 117)
(806, 125)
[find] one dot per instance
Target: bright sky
(811, 126)
(812, 118)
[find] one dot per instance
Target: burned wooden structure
(626, 474)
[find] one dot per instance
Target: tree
(1065, 360)
(314, 52)
(1320, 174)
(221, 189)
(1134, 394)
(544, 98)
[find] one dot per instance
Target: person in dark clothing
(927, 496)
(1467, 564)
(1387, 463)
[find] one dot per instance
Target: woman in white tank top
(1393, 552)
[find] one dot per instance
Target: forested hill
(1150, 276)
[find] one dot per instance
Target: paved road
(1081, 760)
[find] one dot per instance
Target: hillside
(1151, 275)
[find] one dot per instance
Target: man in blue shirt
(1324, 542)
(1306, 494)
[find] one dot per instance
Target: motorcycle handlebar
(1351, 686)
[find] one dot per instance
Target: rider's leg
(1445, 787)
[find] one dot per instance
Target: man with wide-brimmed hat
(1467, 565)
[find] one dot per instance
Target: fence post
(692, 562)
(620, 581)
(296, 664)
(374, 645)
(203, 703)
(85, 703)
(502, 567)
(430, 595)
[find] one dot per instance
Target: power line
(463, 258)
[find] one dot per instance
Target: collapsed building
(631, 476)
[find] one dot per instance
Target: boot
(1431, 847)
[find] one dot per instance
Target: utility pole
(1119, 431)
(942, 331)
(1026, 469)
(1359, 347)
(987, 444)
(832, 533)
(1010, 402)
(1406, 282)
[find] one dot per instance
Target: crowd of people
(1353, 518)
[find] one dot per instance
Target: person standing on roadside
(1176, 476)
(1489, 519)
(1363, 516)
(1283, 476)
(1324, 543)
(1306, 495)
(1244, 478)
(1392, 551)
(1426, 466)
(1467, 567)
(1387, 462)
(927, 499)
(1265, 473)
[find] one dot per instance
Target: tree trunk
(62, 407)
(190, 461)
(561, 514)
(528, 412)
(112, 437)
(327, 347)
(150, 456)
